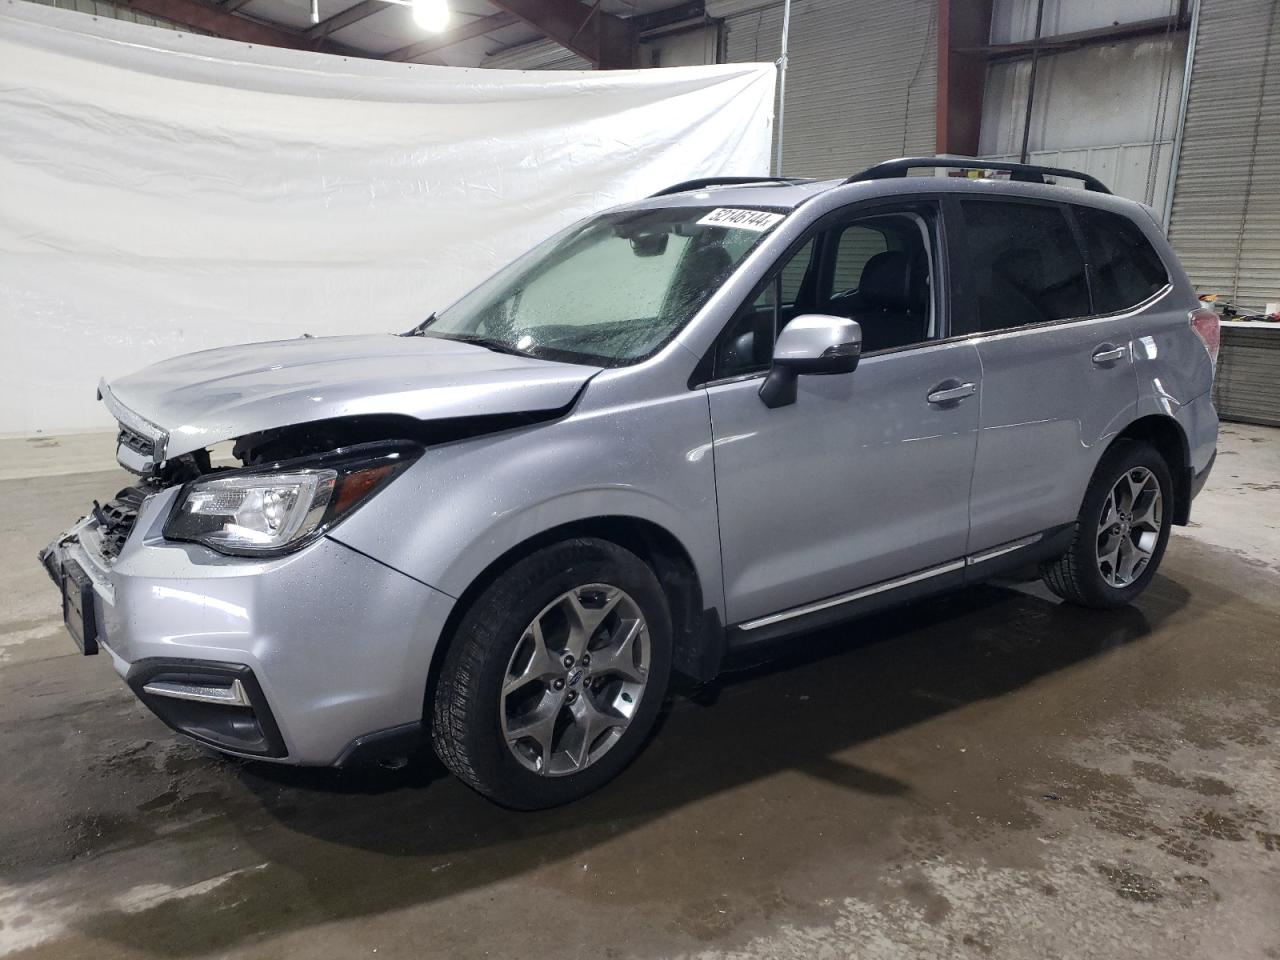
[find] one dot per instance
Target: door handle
(1106, 353)
(951, 390)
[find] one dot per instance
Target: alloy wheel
(575, 679)
(1132, 517)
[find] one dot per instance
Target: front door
(864, 478)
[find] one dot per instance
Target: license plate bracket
(78, 611)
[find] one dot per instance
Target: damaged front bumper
(293, 658)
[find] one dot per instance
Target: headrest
(886, 281)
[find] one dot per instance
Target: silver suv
(732, 412)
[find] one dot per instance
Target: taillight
(1205, 323)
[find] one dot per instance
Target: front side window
(1024, 264)
(875, 269)
(611, 290)
(1126, 268)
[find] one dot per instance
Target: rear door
(1057, 378)
(1129, 276)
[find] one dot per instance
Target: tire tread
(1074, 576)
(457, 695)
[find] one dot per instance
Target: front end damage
(212, 581)
(302, 656)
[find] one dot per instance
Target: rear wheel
(555, 676)
(1122, 530)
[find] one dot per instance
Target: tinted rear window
(1126, 268)
(1024, 263)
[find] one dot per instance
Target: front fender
(465, 504)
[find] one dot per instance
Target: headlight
(258, 512)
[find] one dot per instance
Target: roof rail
(1022, 172)
(722, 182)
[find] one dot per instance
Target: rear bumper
(1198, 480)
(1199, 421)
(293, 659)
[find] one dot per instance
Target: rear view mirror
(812, 344)
(649, 244)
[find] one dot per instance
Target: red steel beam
(964, 30)
(609, 42)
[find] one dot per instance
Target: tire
(1089, 573)
(499, 675)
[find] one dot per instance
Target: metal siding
(861, 80)
(694, 46)
(100, 8)
(1246, 386)
(1225, 224)
(538, 55)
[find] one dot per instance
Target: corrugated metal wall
(861, 85)
(538, 55)
(100, 8)
(1226, 202)
(1247, 386)
(679, 47)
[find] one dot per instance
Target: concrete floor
(992, 774)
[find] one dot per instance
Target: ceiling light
(431, 15)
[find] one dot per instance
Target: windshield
(610, 290)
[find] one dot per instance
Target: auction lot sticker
(756, 220)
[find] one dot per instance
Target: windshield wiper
(489, 343)
(420, 329)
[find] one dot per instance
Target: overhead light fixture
(431, 15)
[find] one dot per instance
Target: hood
(195, 400)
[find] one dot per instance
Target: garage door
(1226, 204)
(861, 82)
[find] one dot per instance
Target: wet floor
(990, 774)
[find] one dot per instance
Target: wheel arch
(697, 631)
(1166, 434)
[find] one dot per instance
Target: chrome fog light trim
(233, 696)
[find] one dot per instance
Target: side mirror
(810, 344)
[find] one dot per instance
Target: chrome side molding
(884, 585)
(1004, 548)
(854, 595)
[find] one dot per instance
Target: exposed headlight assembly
(268, 511)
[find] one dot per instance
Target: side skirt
(975, 568)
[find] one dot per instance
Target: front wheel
(555, 675)
(1122, 530)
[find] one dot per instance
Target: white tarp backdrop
(162, 193)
